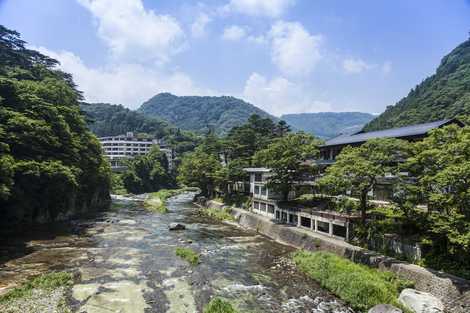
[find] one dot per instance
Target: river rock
(420, 302)
(384, 308)
(176, 226)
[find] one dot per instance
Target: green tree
(147, 173)
(442, 167)
(200, 169)
(50, 163)
(286, 157)
(357, 169)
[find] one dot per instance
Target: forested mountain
(111, 120)
(326, 125)
(200, 114)
(51, 165)
(445, 94)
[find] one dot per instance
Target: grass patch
(362, 287)
(156, 201)
(218, 214)
(218, 305)
(188, 254)
(47, 281)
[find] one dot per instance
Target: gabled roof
(400, 132)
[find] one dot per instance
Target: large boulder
(384, 308)
(420, 302)
(176, 226)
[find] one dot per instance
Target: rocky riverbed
(125, 261)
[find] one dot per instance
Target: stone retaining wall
(453, 291)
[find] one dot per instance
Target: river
(125, 260)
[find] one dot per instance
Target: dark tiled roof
(407, 131)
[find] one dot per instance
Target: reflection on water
(127, 263)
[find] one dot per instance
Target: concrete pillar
(316, 225)
(330, 228)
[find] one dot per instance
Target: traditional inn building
(268, 202)
(317, 217)
(122, 147)
(383, 191)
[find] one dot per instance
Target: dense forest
(446, 94)
(327, 125)
(51, 165)
(201, 114)
(110, 120)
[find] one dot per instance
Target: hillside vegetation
(327, 125)
(446, 94)
(110, 120)
(50, 163)
(201, 114)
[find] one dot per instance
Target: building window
(270, 209)
(264, 191)
(256, 205)
(305, 222)
(262, 207)
(257, 190)
(339, 231)
(258, 177)
(323, 227)
(293, 218)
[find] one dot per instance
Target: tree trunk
(363, 206)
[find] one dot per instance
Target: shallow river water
(126, 263)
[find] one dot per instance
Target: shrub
(46, 281)
(362, 287)
(218, 214)
(188, 254)
(218, 305)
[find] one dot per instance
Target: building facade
(124, 147)
(317, 217)
(269, 203)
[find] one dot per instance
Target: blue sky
(285, 56)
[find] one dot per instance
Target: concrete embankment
(453, 291)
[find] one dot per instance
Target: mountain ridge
(445, 94)
(202, 113)
(326, 125)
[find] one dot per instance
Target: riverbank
(129, 263)
(454, 292)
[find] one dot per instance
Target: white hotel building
(119, 148)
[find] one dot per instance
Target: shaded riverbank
(127, 262)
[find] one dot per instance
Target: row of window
(263, 207)
(261, 191)
(109, 144)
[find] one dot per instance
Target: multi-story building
(122, 147)
(317, 217)
(269, 203)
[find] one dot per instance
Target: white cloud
(355, 66)
(280, 96)
(234, 33)
(198, 28)
(387, 67)
(268, 8)
(294, 50)
(127, 84)
(134, 33)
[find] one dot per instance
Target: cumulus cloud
(126, 83)
(293, 49)
(280, 96)
(387, 67)
(355, 66)
(234, 33)
(268, 8)
(134, 33)
(198, 28)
